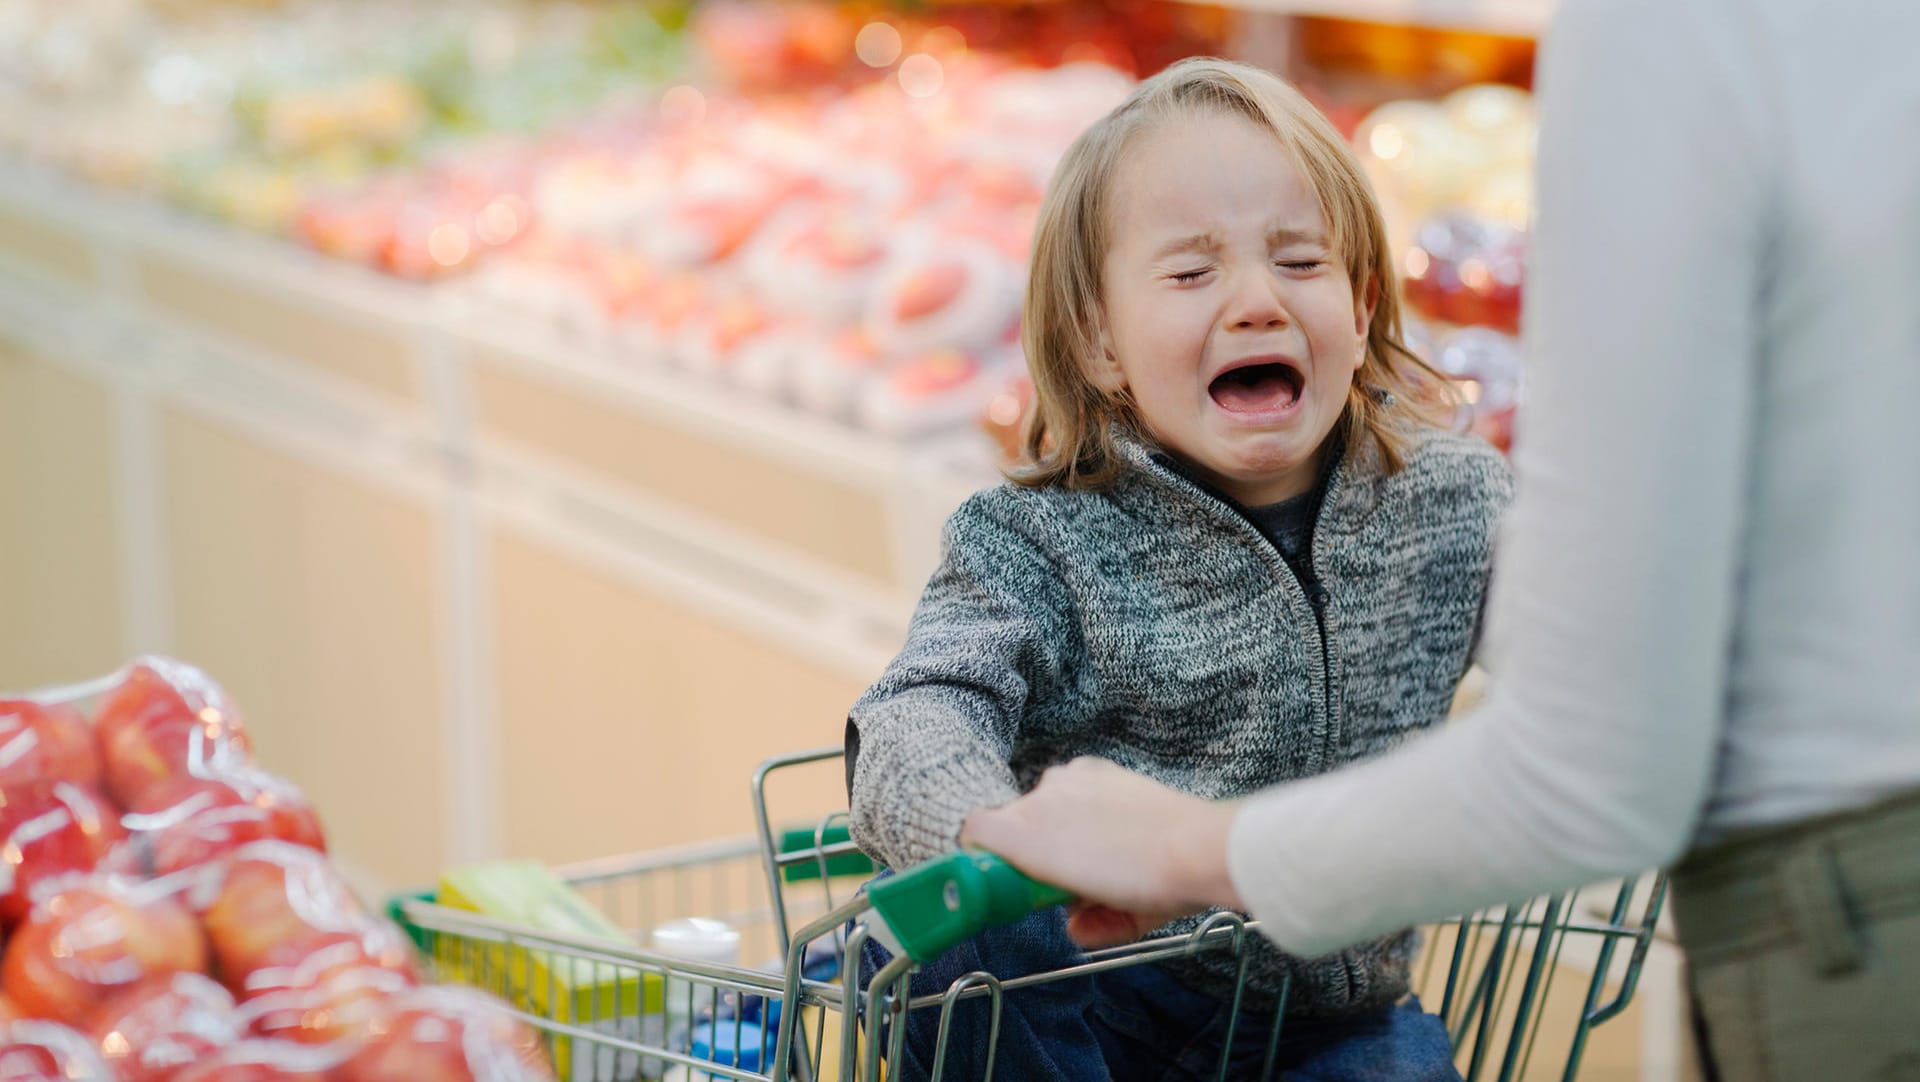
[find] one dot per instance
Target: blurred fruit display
(204, 934)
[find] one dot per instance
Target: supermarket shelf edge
(122, 227)
(1520, 18)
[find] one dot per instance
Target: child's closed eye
(1190, 276)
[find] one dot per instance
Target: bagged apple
(943, 293)
(190, 820)
(165, 719)
(268, 1061)
(41, 742)
(51, 830)
(35, 1051)
(90, 938)
(338, 1007)
(280, 916)
(203, 935)
(831, 371)
(160, 1027)
(449, 1035)
(941, 389)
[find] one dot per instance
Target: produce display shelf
(1519, 18)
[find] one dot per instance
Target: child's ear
(1363, 318)
(1103, 367)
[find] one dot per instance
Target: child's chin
(1269, 456)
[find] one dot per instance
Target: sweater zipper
(1317, 598)
(1317, 602)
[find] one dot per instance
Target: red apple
(449, 1034)
(158, 686)
(46, 742)
(163, 720)
(188, 821)
(339, 1007)
(93, 940)
(366, 943)
(839, 243)
(36, 1051)
(267, 1061)
(50, 830)
(164, 1025)
(272, 904)
(929, 289)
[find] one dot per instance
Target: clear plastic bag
(172, 916)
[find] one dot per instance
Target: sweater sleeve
(935, 733)
(1615, 597)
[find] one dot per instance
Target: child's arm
(931, 740)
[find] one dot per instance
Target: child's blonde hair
(1070, 441)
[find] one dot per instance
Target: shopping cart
(1519, 987)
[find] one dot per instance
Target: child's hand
(1135, 852)
(1093, 925)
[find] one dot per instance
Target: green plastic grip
(933, 907)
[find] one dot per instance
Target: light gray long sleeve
(1707, 599)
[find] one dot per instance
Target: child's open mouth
(1269, 387)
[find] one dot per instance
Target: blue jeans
(1138, 1023)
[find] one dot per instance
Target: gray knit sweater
(1152, 624)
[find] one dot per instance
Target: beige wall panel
(631, 723)
(59, 580)
(341, 346)
(45, 246)
(838, 523)
(312, 597)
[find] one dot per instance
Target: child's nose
(1256, 304)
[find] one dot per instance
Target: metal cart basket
(1519, 987)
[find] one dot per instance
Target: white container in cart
(694, 939)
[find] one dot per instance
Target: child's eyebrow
(1284, 237)
(1197, 242)
(1278, 237)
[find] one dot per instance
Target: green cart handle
(933, 907)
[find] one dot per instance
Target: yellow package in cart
(618, 1000)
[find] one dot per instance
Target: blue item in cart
(732, 1044)
(763, 1011)
(821, 962)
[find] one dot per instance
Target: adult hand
(1136, 853)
